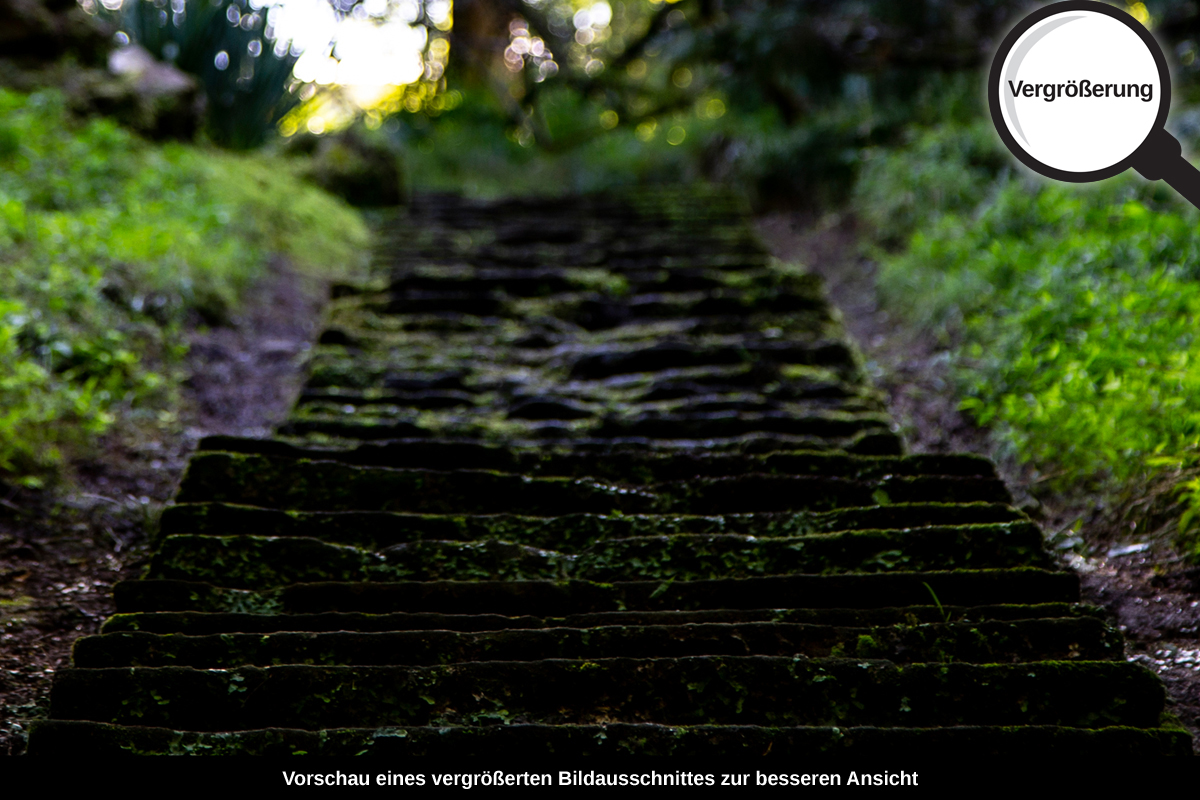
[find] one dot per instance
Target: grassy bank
(109, 246)
(1071, 311)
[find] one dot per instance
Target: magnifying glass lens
(1080, 91)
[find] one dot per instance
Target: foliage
(357, 164)
(1072, 309)
(472, 149)
(225, 44)
(644, 58)
(594, 90)
(108, 245)
(938, 169)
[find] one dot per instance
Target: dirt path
(60, 555)
(1152, 597)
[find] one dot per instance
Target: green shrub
(249, 93)
(937, 171)
(107, 245)
(1073, 309)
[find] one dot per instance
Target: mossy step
(255, 562)
(762, 286)
(756, 377)
(749, 377)
(326, 485)
(614, 360)
(377, 530)
(357, 313)
(717, 310)
(819, 423)
(708, 556)
(527, 282)
(259, 562)
(368, 322)
(590, 460)
(458, 302)
(871, 442)
(199, 623)
(542, 280)
(594, 362)
(57, 738)
(362, 428)
(739, 310)
(601, 422)
(337, 366)
(756, 493)
(492, 411)
(820, 387)
(720, 424)
(779, 383)
(363, 338)
(747, 690)
(411, 368)
(302, 485)
(516, 598)
(424, 400)
(1083, 639)
(554, 433)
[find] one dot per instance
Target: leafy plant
(1071, 310)
(107, 246)
(246, 76)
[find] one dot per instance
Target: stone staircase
(593, 476)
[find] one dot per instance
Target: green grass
(1073, 310)
(108, 246)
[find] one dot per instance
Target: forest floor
(61, 554)
(1151, 594)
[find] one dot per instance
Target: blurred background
(155, 154)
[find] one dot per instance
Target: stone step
(709, 556)
(600, 461)
(624, 360)
(718, 311)
(684, 278)
(520, 742)
(736, 311)
(1085, 639)
(302, 485)
(641, 398)
(750, 281)
(867, 441)
(646, 348)
(316, 485)
(339, 367)
(721, 424)
(870, 442)
(398, 423)
(426, 400)
(730, 690)
(199, 623)
(260, 562)
(377, 530)
(680, 418)
(517, 598)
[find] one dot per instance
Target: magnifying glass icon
(1079, 91)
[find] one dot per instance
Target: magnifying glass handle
(1161, 158)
